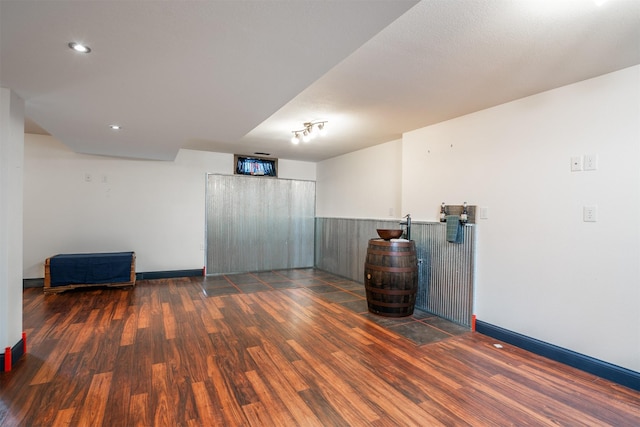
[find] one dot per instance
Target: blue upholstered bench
(69, 271)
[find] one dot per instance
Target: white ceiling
(239, 76)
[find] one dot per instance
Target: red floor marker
(24, 343)
(7, 359)
(473, 323)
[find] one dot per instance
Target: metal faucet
(407, 222)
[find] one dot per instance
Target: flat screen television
(256, 166)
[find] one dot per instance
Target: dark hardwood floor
(290, 348)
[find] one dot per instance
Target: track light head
(321, 129)
(313, 131)
(309, 131)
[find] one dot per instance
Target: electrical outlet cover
(590, 162)
(590, 213)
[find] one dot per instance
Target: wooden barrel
(391, 277)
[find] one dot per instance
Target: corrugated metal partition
(445, 269)
(257, 224)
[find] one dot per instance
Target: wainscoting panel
(445, 269)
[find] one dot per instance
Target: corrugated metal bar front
(257, 224)
(446, 272)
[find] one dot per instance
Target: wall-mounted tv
(256, 166)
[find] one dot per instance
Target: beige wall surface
(362, 184)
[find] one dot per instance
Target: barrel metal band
(390, 269)
(391, 304)
(386, 253)
(391, 291)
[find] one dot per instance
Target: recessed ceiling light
(115, 127)
(79, 47)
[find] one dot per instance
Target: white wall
(541, 270)
(362, 184)
(154, 208)
(11, 183)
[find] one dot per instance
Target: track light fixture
(309, 131)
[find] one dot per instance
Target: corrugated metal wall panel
(257, 224)
(445, 269)
(341, 244)
(446, 272)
